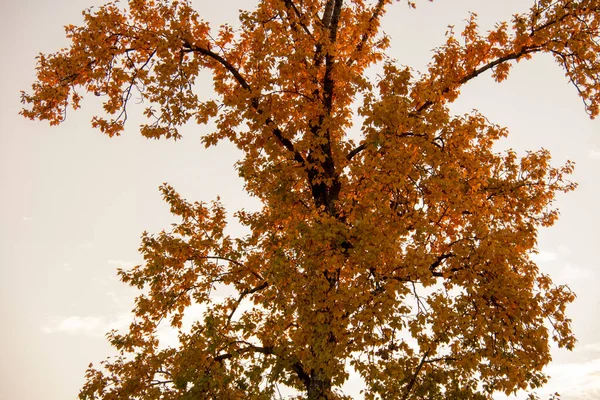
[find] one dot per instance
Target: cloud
(27, 219)
(595, 154)
(561, 271)
(572, 272)
(98, 326)
(93, 326)
(569, 273)
(120, 300)
(575, 381)
(543, 256)
(74, 325)
(123, 264)
(588, 348)
(563, 250)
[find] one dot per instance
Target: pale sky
(73, 203)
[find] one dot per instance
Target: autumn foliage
(403, 256)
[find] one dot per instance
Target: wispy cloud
(27, 219)
(118, 300)
(543, 256)
(98, 326)
(575, 381)
(562, 270)
(595, 154)
(94, 326)
(569, 273)
(574, 272)
(123, 264)
(588, 348)
(563, 250)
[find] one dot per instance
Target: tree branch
(365, 36)
(299, 370)
(438, 359)
(266, 350)
(355, 151)
(325, 194)
(188, 47)
(244, 294)
(326, 20)
(291, 6)
(510, 56)
(250, 347)
(438, 262)
(365, 144)
(328, 82)
(413, 379)
(478, 71)
(239, 264)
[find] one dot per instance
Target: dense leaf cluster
(405, 256)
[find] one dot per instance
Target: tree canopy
(403, 255)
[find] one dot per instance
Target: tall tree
(404, 256)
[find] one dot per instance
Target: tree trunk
(319, 387)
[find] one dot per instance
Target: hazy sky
(73, 203)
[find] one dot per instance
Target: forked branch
(285, 142)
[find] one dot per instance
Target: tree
(404, 255)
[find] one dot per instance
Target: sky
(73, 203)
